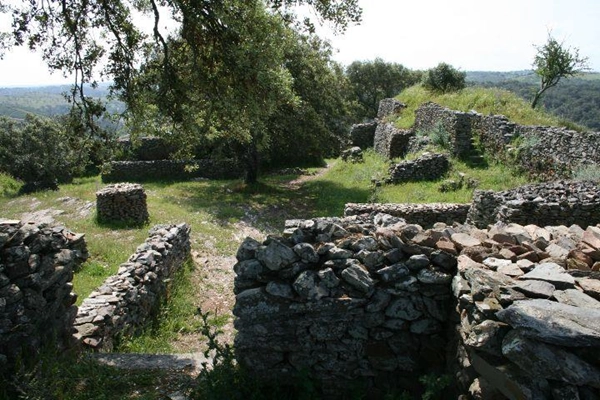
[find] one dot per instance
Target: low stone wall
(363, 135)
(122, 202)
(389, 107)
(123, 303)
(428, 167)
(344, 301)
(36, 298)
(390, 141)
(426, 215)
(140, 171)
(430, 116)
(561, 202)
(377, 300)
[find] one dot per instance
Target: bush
(444, 79)
(38, 152)
(438, 136)
(588, 173)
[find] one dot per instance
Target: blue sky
(469, 34)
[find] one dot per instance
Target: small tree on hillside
(553, 62)
(444, 79)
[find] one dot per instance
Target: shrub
(444, 79)
(438, 136)
(39, 152)
(588, 173)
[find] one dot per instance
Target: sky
(472, 35)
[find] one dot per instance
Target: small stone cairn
(353, 155)
(122, 202)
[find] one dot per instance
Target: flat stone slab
(132, 361)
(552, 273)
(554, 323)
(574, 297)
(536, 289)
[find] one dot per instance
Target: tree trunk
(536, 98)
(251, 161)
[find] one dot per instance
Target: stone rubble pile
(36, 299)
(429, 166)
(122, 202)
(560, 202)
(379, 300)
(124, 302)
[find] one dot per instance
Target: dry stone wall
(561, 202)
(511, 311)
(140, 171)
(363, 135)
(430, 116)
(390, 141)
(428, 167)
(36, 299)
(425, 215)
(122, 202)
(389, 107)
(147, 148)
(123, 303)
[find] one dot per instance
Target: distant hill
(46, 100)
(576, 99)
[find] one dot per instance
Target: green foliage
(305, 131)
(373, 81)
(554, 61)
(39, 152)
(444, 78)
(9, 186)
(434, 385)
(438, 136)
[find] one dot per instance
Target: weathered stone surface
(306, 252)
(487, 337)
(358, 278)
(463, 240)
(511, 270)
(552, 273)
(535, 289)
(590, 287)
(403, 308)
(550, 362)
(494, 263)
(591, 236)
(574, 297)
(247, 249)
(125, 202)
(276, 255)
(554, 323)
(280, 290)
(307, 286)
(393, 272)
(434, 277)
(417, 262)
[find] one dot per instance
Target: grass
(483, 100)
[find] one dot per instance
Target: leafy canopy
(554, 61)
(444, 78)
(373, 81)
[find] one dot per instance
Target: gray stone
(550, 362)
(307, 286)
(460, 286)
(335, 253)
(247, 249)
(487, 337)
(511, 270)
(574, 297)
(535, 289)
(426, 326)
(403, 308)
(306, 252)
(463, 240)
(494, 263)
(358, 277)
(552, 273)
(444, 260)
(248, 269)
(554, 323)
(328, 278)
(409, 284)
(276, 255)
(379, 301)
(370, 259)
(365, 243)
(417, 262)
(556, 251)
(434, 277)
(280, 290)
(393, 272)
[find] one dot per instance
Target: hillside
(46, 100)
(576, 99)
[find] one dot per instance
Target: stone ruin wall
(122, 202)
(36, 299)
(554, 203)
(425, 215)
(390, 141)
(511, 312)
(428, 167)
(140, 171)
(125, 301)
